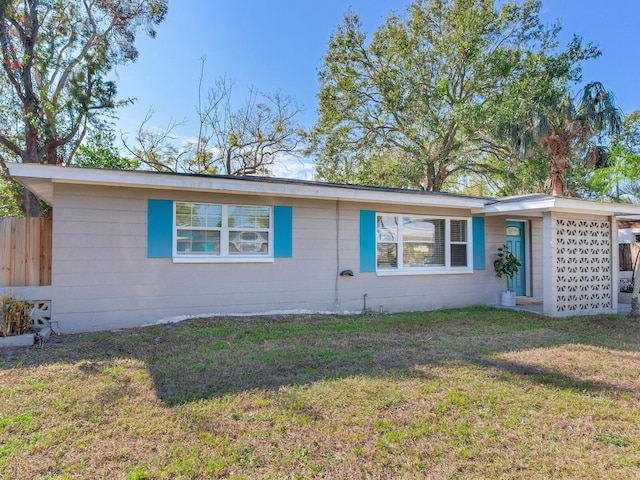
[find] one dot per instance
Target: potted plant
(506, 264)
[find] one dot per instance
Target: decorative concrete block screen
(583, 265)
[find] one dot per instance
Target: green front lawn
(470, 393)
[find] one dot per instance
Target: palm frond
(597, 108)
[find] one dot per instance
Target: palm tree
(570, 123)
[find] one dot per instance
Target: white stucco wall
(102, 278)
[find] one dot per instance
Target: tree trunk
(558, 146)
(430, 177)
(558, 174)
(30, 204)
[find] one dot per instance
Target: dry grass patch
(471, 393)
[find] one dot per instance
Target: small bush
(15, 316)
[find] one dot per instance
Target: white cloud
(292, 167)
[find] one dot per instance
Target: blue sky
(279, 45)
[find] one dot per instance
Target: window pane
(248, 217)
(459, 255)
(387, 255)
(416, 254)
(214, 215)
(437, 259)
(420, 254)
(416, 229)
(205, 215)
(183, 214)
(183, 220)
(248, 242)
(387, 228)
(198, 215)
(198, 242)
(458, 230)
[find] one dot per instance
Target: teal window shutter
(477, 224)
(282, 232)
(367, 241)
(160, 229)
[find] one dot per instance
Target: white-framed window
(422, 244)
(219, 232)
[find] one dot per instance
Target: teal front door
(517, 245)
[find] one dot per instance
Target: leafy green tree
(56, 55)
(9, 195)
(618, 179)
(503, 177)
(99, 151)
(431, 91)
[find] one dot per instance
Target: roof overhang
(535, 206)
(629, 222)
(41, 178)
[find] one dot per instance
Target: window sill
(439, 271)
(212, 259)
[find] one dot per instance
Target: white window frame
(437, 270)
(224, 256)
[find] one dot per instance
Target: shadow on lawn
(209, 358)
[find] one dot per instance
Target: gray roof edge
(244, 179)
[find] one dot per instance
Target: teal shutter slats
(282, 232)
(367, 241)
(477, 224)
(160, 229)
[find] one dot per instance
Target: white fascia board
(627, 217)
(523, 207)
(28, 173)
(576, 205)
(561, 205)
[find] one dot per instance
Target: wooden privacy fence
(25, 252)
(628, 252)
